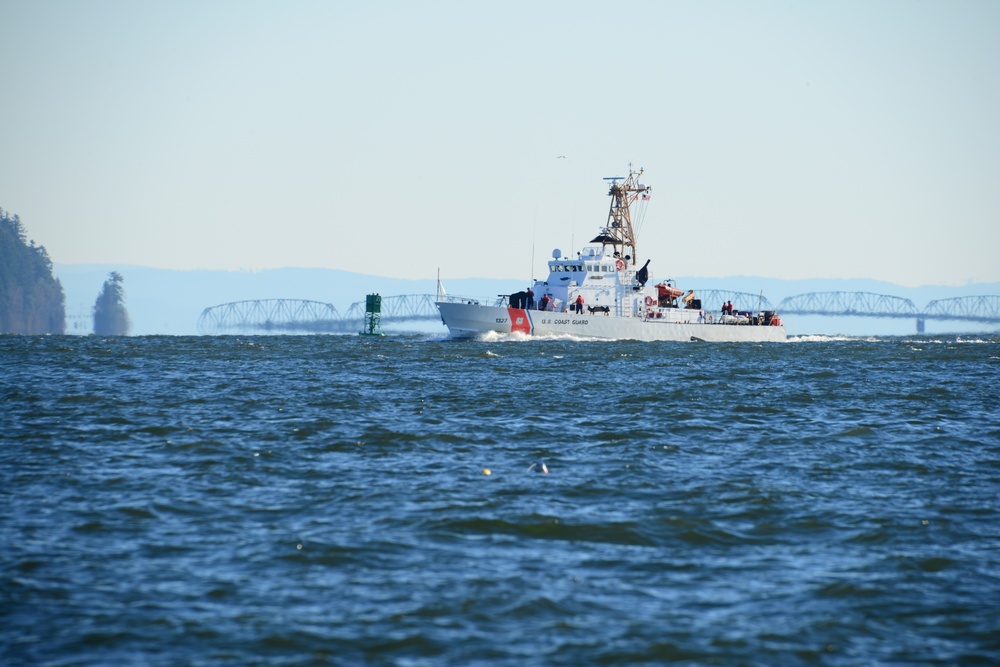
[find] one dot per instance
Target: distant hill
(164, 301)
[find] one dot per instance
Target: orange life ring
(776, 321)
(619, 264)
(649, 301)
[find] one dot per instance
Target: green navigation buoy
(373, 316)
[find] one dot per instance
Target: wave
(518, 337)
(824, 338)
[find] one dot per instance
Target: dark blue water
(324, 500)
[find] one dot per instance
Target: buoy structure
(373, 316)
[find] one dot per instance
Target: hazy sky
(782, 139)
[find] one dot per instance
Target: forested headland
(31, 298)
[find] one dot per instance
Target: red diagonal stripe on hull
(519, 320)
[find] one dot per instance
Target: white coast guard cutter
(603, 292)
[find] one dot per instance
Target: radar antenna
(619, 232)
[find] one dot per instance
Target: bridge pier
(920, 325)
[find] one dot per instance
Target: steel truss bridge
(300, 316)
(981, 309)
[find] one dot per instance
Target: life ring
(776, 321)
(619, 264)
(649, 301)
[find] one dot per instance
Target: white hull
(468, 320)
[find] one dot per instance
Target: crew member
(579, 304)
(531, 299)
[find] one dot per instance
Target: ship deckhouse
(591, 264)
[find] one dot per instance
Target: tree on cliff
(110, 315)
(31, 299)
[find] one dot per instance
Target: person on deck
(531, 300)
(579, 304)
(543, 303)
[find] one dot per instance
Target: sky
(781, 139)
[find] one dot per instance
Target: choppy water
(324, 500)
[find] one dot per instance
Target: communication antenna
(619, 233)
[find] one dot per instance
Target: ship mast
(619, 232)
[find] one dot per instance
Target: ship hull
(468, 320)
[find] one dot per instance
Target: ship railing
(500, 301)
(741, 318)
(453, 298)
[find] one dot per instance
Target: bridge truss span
(967, 308)
(269, 315)
(856, 304)
(712, 300)
(263, 316)
(410, 307)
